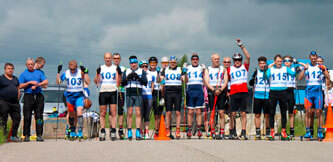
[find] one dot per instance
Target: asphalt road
(175, 150)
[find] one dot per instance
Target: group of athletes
(147, 89)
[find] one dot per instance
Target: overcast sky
(84, 30)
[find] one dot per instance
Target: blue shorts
(313, 99)
(195, 97)
(73, 103)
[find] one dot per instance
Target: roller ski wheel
(257, 137)
(81, 138)
(72, 136)
(243, 137)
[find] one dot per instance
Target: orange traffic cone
(162, 134)
(329, 125)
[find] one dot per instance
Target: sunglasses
(287, 60)
(195, 59)
(152, 63)
(240, 60)
(144, 66)
(226, 62)
(116, 58)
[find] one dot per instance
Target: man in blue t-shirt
(32, 81)
(9, 101)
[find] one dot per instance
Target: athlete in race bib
(174, 78)
(278, 75)
(107, 78)
(194, 94)
(134, 79)
(157, 93)
(75, 78)
(313, 100)
(147, 98)
(238, 89)
(217, 83)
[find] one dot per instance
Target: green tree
(182, 60)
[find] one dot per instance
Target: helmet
(173, 58)
(237, 56)
(153, 58)
(165, 59)
(142, 62)
(87, 103)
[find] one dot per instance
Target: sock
(80, 121)
(268, 131)
(292, 131)
(120, 127)
(102, 130)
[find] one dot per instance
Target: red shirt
(238, 78)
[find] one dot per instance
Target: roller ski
(146, 135)
(72, 136)
(243, 135)
(199, 134)
(232, 135)
(113, 136)
(102, 135)
(129, 134)
(320, 134)
(272, 136)
(178, 133)
(220, 136)
(80, 136)
(189, 134)
(284, 136)
(67, 133)
(138, 135)
(121, 134)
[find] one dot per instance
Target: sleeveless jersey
(261, 90)
(194, 75)
(278, 78)
(74, 81)
(173, 77)
(134, 84)
(291, 80)
(238, 78)
(108, 78)
(216, 76)
(147, 90)
(154, 75)
(314, 77)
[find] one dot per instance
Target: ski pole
(212, 115)
(58, 107)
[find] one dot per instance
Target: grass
(3, 137)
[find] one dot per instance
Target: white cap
(165, 59)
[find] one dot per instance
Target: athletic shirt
(238, 78)
(74, 83)
(291, 79)
(314, 77)
(154, 75)
(147, 90)
(134, 84)
(261, 90)
(216, 76)
(173, 76)
(108, 81)
(278, 78)
(194, 75)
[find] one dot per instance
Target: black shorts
(260, 105)
(238, 102)
(107, 98)
(220, 101)
(173, 98)
(290, 100)
(121, 103)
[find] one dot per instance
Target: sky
(84, 30)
